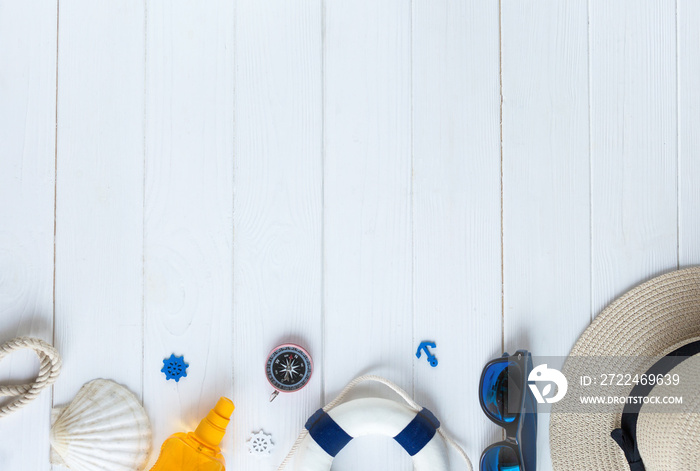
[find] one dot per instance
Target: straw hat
(651, 320)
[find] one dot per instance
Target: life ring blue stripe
(418, 432)
(332, 438)
(327, 433)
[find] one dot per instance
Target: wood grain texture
(332, 173)
(633, 144)
(367, 210)
(277, 214)
(456, 210)
(546, 219)
(27, 162)
(188, 227)
(99, 259)
(688, 18)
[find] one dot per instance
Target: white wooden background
(214, 178)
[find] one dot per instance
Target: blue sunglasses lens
(501, 384)
(500, 458)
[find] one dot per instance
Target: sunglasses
(507, 400)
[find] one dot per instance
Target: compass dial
(288, 368)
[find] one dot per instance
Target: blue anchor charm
(431, 358)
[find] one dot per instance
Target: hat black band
(626, 435)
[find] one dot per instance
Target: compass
(288, 368)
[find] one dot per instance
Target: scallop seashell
(104, 428)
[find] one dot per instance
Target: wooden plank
(99, 260)
(188, 228)
(277, 214)
(633, 144)
(457, 209)
(688, 18)
(367, 207)
(546, 214)
(27, 144)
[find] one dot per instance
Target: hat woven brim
(650, 320)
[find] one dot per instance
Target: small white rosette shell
(104, 428)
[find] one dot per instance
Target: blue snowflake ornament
(174, 367)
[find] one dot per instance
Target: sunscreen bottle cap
(212, 428)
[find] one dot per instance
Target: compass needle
(288, 368)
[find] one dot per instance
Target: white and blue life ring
(329, 432)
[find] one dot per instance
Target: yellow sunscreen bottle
(198, 450)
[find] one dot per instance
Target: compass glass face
(288, 368)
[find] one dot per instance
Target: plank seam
(143, 202)
(322, 392)
(55, 199)
(591, 314)
(500, 125)
(678, 148)
(233, 188)
(413, 210)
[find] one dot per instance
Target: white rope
(412, 404)
(49, 369)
